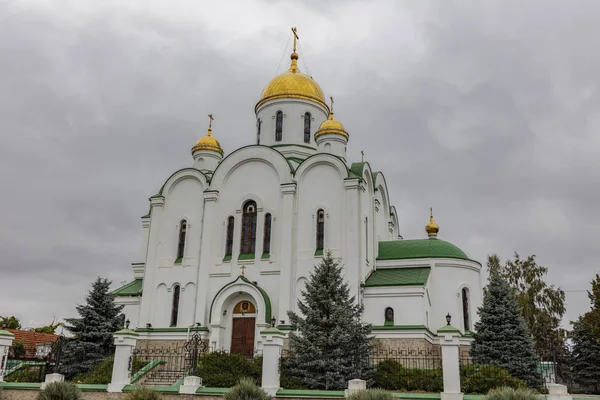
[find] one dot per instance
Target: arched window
(367, 237)
(278, 126)
(258, 124)
(320, 229)
(175, 305)
(307, 128)
(389, 316)
(465, 306)
(181, 244)
(249, 227)
(267, 235)
(229, 238)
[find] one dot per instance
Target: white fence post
(450, 344)
(125, 340)
(6, 339)
(272, 345)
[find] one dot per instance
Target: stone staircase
(161, 376)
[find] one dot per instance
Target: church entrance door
(242, 339)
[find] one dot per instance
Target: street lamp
(448, 318)
(273, 322)
(127, 323)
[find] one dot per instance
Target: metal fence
(21, 364)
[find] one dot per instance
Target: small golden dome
(331, 125)
(292, 85)
(208, 141)
(432, 228)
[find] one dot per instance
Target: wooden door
(242, 336)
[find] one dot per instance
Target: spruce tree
(332, 344)
(93, 332)
(501, 337)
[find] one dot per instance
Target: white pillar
(272, 345)
(448, 336)
(558, 392)
(287, 275)
(121, 374)
(355, 385)
(6, 339)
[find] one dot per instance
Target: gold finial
(331, 108)
(294, 56)
(210, 124)
(432, 228)
(243, 268)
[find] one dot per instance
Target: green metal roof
(398, 277)
(419, 248)
(131, 289)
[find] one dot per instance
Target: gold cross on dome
(243, 268)
(362, 156)
(296, 37)
(331, 108)
(210, 121)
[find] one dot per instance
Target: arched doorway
(243, 328)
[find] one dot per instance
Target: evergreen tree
(93, 332)
(501, 337)
(332, 344)
(586, 343)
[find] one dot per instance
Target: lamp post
(273, 322)
(448, 318)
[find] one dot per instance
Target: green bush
(371, 394)
(60, 391)
(143, 393)
(221, 369)
(102, 373)
(508, 393)
(391, 375)
(481, 378)
(25, 374)
(246, 389)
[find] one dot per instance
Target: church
(229, 243)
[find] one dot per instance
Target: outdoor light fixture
(127, 323)
(273, 322)
(282, 321)
(198, 324)
(148, 325)
(224, 312)
(448, 318)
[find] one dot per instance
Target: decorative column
(448, 336)
(6, 339)
(125, 340)
(353, 222)
(272, 345)
(285, 258)
(558, 392)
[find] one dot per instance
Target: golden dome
(331, 125)
(292, 85)
(208, 141)
(431, 228)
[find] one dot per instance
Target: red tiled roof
(31, 338)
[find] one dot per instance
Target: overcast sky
(488, 111)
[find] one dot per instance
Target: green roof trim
(295, 145)
(126, 331)
(286, 327)
(6, 333)
(167, 330)
(207, 390)
(448, 329)
(271, 331)
(264, 294)
(357, 168)
(131, 289)
(19, 385)
(413, 276)
(309, 393)
(400, 328)
(160, 192)
(92, 387)
(419, 248)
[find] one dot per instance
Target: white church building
(229, 242)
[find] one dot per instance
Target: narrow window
(465, 304)
(175, 305)
(389, 316)
(181, 245)
(258, 124)
(307, 128)
(320, 229)
(278, 126)
(367, 236)
(229, 239)
(249, 227)
(267, 234)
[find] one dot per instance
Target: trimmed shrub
(246, 389)
(102, 373)
(482, 378)
(60, 391)
(508, 393)
(143, 393)
(221, 369)
(391, 375)
(371, 394)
